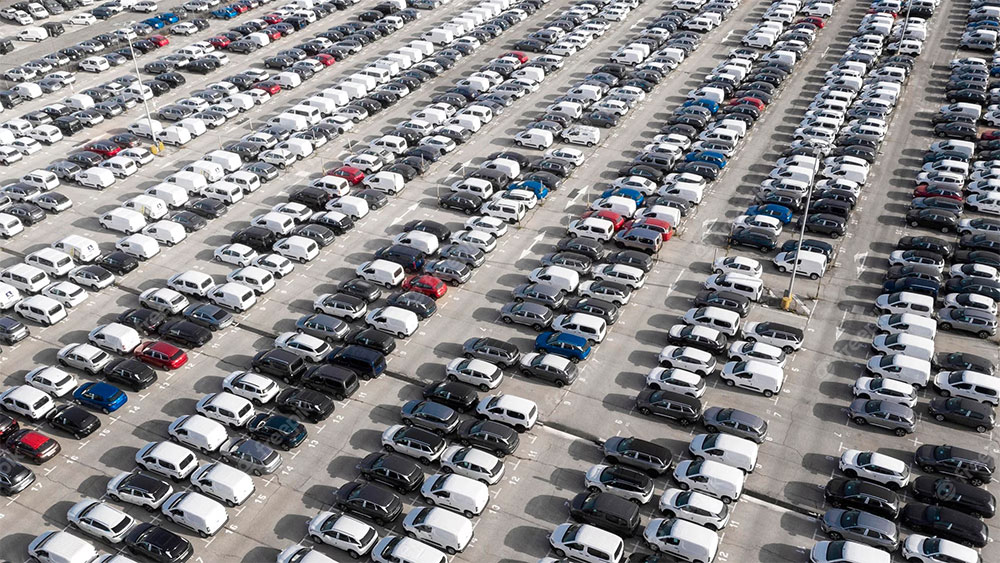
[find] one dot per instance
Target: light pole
(786, 300)
(142, 94)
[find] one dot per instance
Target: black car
(754, 238)
(608, 511)
(863, 495)
(74, 420)
(257, 238)
(368, 500)
(588, 247)
(336, 381)
(309, 405)
(420, 304)
(955, 494)
(208, 208)
(723, 299)
(190, 221)
(932, 244)
(158, 544)
(824, 223)
(594, 306)
(323, 236)
(947, 523)
(360, 288)
(408, 257)
(488, 435)
(276, 430)
(279, 363)
(396, 471)
(14, 477)
(987, 241)
(130, 373)
(374, 339)
(964, 412)
(691, 335)
(118, 263)
(932, 218)
(146, 321)
(12, 330)
(186, 333)
(458, 396)
(632, 258)
(974, 467)
(28, 213)
(958, 361)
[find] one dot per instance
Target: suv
(279, 363)
(491, 350)
(971, 466)
(608, 511)
(653, 459)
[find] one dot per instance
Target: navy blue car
(914, 285)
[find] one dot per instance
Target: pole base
(786, 303)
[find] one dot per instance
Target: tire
(768, 393)
(976, 482)
(983, 334)
(945, 393)
(835, 535)
(559, 553)
(711, 429)
(683, 486)
(730, 383)
(981, 429)
(901, 432)
(508, 320)
(940, 418)
(859, 421)
(814, 276)
(782, 269)
(114, 497)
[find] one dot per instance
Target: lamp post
(142, 94)
(786, 300)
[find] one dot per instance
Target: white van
(193, 182)
(585, 135)
(120, 166)
(748, 286)
(79, 101)
(224, 483)
(51, 261)
(905, 302)
(9, 225)
(288, 80)
(192, 125)
(40, 309)
(226, 192)
(199, 432)
(151, 207)
(289, 121)
(560, 277)
(115, 337)
(311, 114)
(590, 544)
(146, 128)
(297, 248)
(231, 295)
(684, 540)
(335, 95)
(590, 327)
(195, 512)
(165, 232)
(442, 528)
(325, 106)
(278, 223)
(211, 171)
(95, 177)
(81, 249)
(392, 143)
(907, 323)
(23, 277)
(175, 135)
(389, 182)
(811, 264)
(246, 180)
(382, 272)
(456, 492)
(123, 220)
(229, 161)
(723, 320)
(393, 320)
(754, 375)
(900, 367)
(174, 196)
(534, 138)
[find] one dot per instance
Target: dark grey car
(250, 456)
(541, 293)
(651, 458)
(574, 261)
(464, 253)
(735, 422)
(594, 306)
(885, 414)
(550, 367)
(863, 527)
(429, 415)
(531, 314)
(450, 271)
(322, 326)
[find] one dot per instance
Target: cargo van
(193, 182)
(900, 367)
(755, 375)
(224, 483)
(289, 121)
(381, 75)
(415, 55)
(80, 249)
(335, 95)
(750, 287)
(325, 106)
(393, 320)
(95, 177)
(226, 192)
(234, 296)
(436, 36)
(229, 161)
(151, 207)
(115, 337)
(79, 101)
(120, 166)
(439, 527)
(177, 135)
(389, 182)
(146, 128)
(174, 196)
(382, 272)
(811, 264)
(534, 138)
(51, 261)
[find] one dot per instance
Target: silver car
(862, 527)
(967, 319)
(527, 313)
(885, 414)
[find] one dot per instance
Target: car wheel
(683, 486)
(835, 535)
(901, 432)
(559, 553)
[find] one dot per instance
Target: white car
(237, 254)
(52, 380)
(55, 547)
(198, 432)
(479, 239)
(253, 386)
(622, 273)
(226, 408)
(258, 279)
(479, 373)
(578, 541)
(885, 389)
(738, 265)
(763, 222)
(309, 347)
(726, 449)
(472, 463)
(572, 156)
(644, 185)
(86, 357)
(695, 507)
(67, 293)
(492, 225)
(922, 549)
(84, 19)
(511, 410)
(676, 380)
(167, 459)
(100, 520)
(184, 28)
(853, 552)
(876, 467)
(743, 350)
(342, 532)
(297, 211)
(710, 477)
(688, 358)
(968, 384)
(275, 263)
(27, 401)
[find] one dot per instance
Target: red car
(991, 135)
(240, 8)
(815, 20)
(272, 19)
(923, 190)
(517, 55)
(617, 220)
(272, 34)
(349, 173)
(32, 446)
(219, 42)
(159, 40)
(270, 87)
(107, 149)
(748, 101)
(665, 229)
(325, 59)
(162, 355)
(426, 284)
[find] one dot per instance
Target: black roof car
(675, 406)
(735, 422)
(131, 373)
(958, 361)
(488, 435)
(429, 415)
(190, 221)
(14, 477)
(594, 306)
(118, 262)
(372, 338)
(276, 362)
(723, 299)
(606, 510)
(947, 523)
(863, 495)
(368, 500)
(304, 403)
(420, 304)
(185, 332)
(964, 412)
(207, 207)
(158, 544)
(74, 420)
(650, 457)
(361, 289)
(974, 467)
(208, 316)
(146, 321)
(953, 493)
(281, 431)
(458, 396)
(12, 330)
(394, 470)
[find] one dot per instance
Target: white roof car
(885, 389)
(297, 211)
(695, 507)
(301, 554)
(226, 408)
(100, 520)
(480, 373)
(258, 279)
(573, 156)
(924, 549)
(480, 239)
(676, 380)
(275, 263)
(472, 463)
(582, 542)
(621, 273)
(456, 492)
(224, 483)
(738, 265)
(85, 357)
(67, 293)
(309, 347)
(514, 411)
(968, 384)
(394, 549)
(52, 380)
(238, 254)
(493, 225)
(852, 552)
(688, 358)
(726, 449)
(191, 282)
(744, 350)
(710, 477)
(27, 401)
(61, 547)
(165, 458)
(198, 432)
(253, 386)
(876, 467)
(343, 532)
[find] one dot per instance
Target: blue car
(100, 396)
(631, 193)
(568, 346)
(779, 212)
(983, 24)
(710, 105)
(168, 17)
(154, 23)
(226, 13)
(538, 188)
(712, 157)
(913, 285)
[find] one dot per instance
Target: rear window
(54, 310)
(37, 278)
